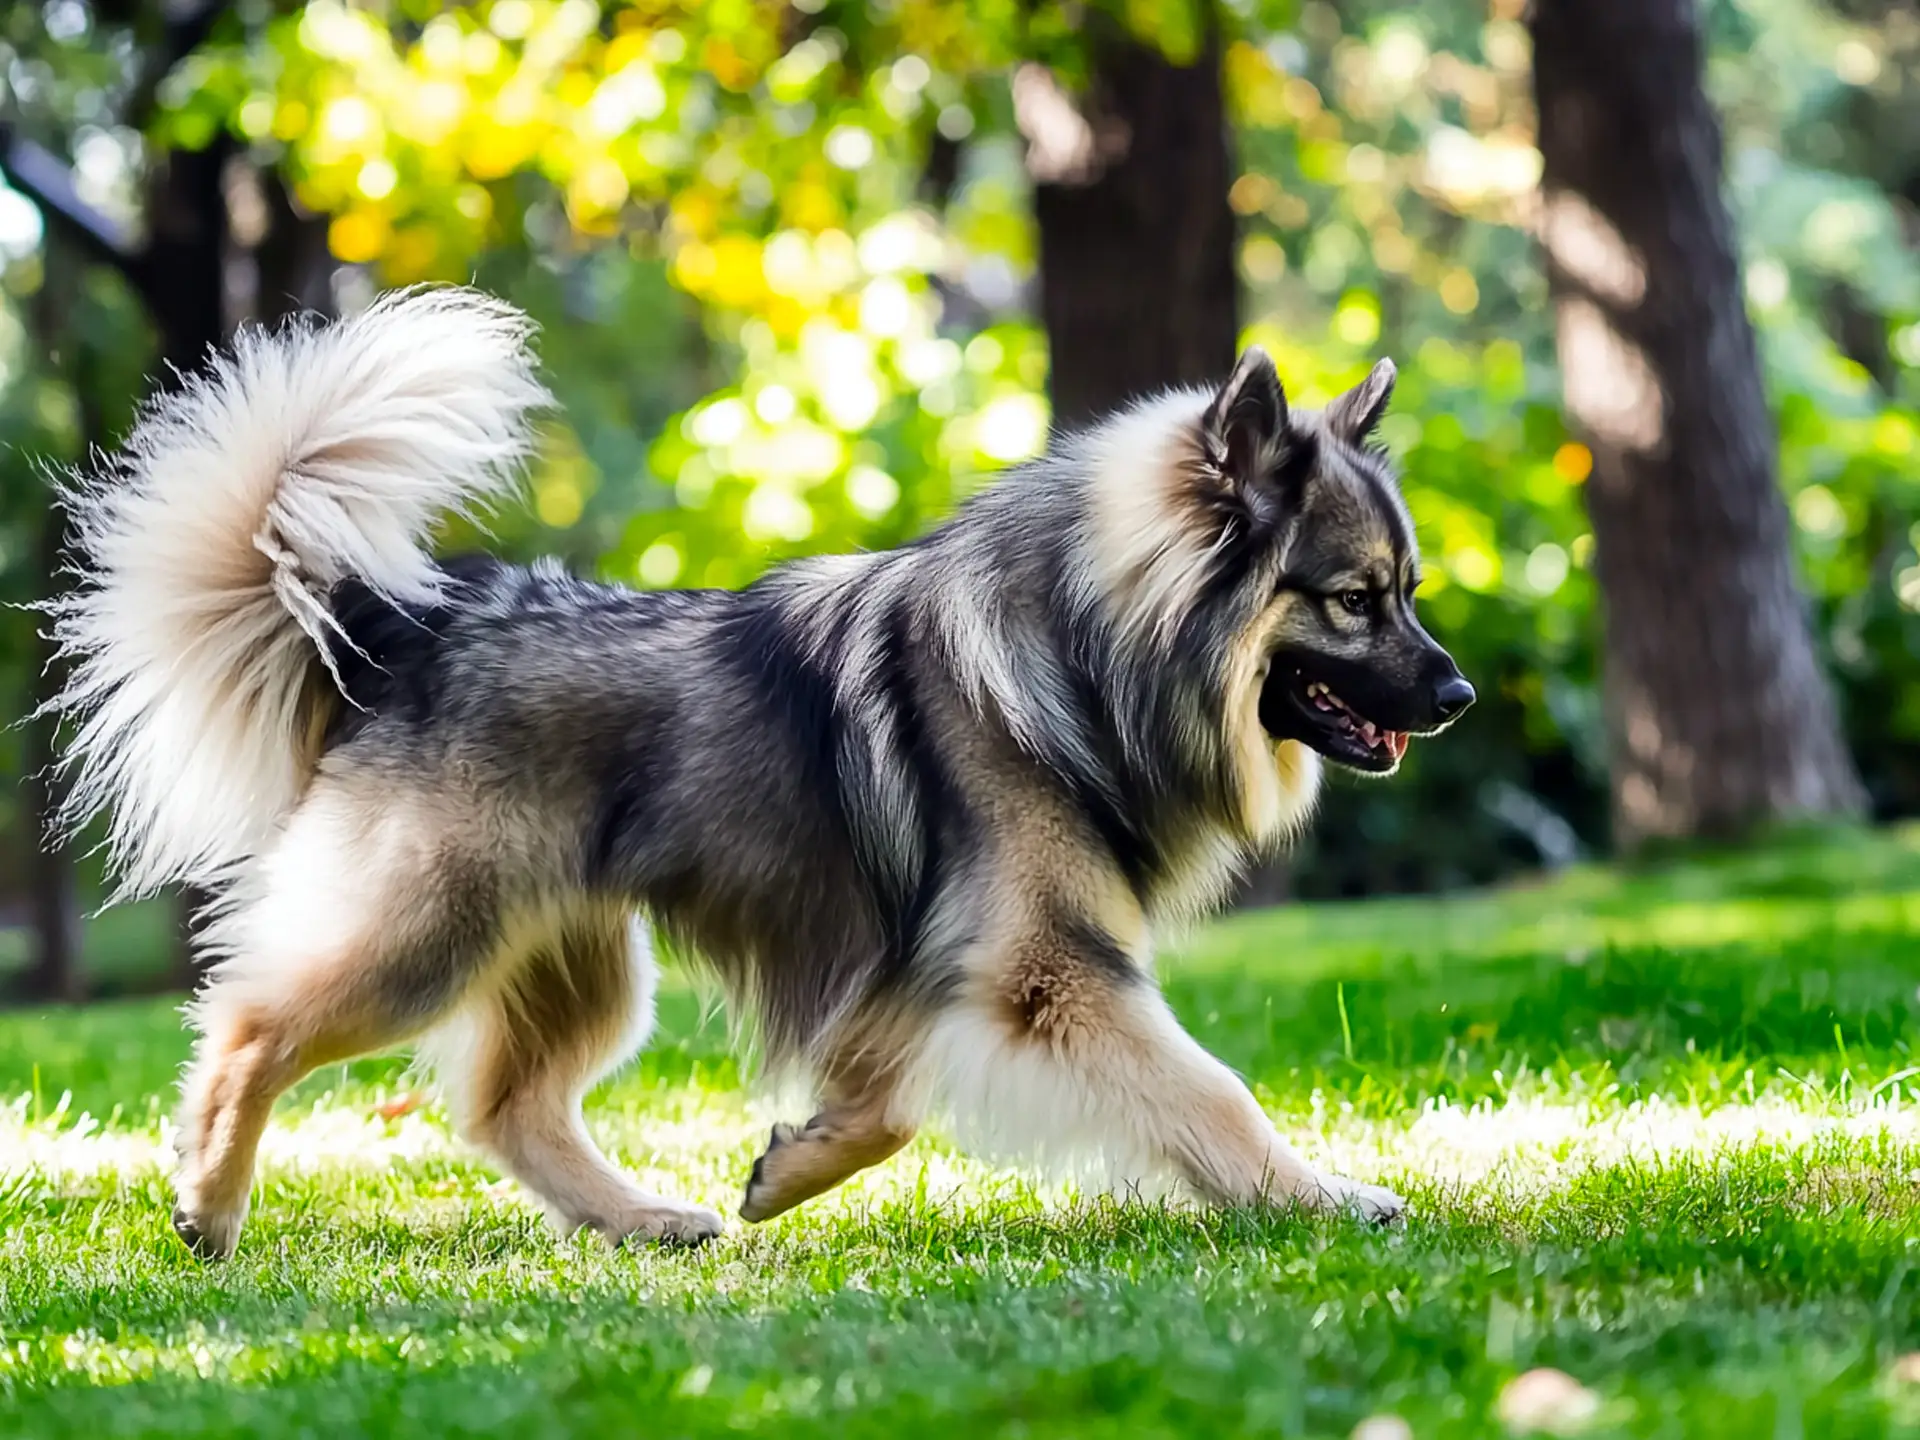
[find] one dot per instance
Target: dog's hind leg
(577, 1002)
(856, 1126)
(353, 934)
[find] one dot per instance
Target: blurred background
(810, 272)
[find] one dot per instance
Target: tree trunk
(1137, 287)
(53, 901)
(1719, 717)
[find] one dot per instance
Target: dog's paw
(209, 1234)
(664, 1222)
(760, 1201)
(1374, 1204)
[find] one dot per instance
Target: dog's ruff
(923, 810)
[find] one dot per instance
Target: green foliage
(1658, 1130)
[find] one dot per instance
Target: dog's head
(1349, 669)
(1270, 548)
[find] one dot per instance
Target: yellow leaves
(492, 150)
(1573, 462)
(736, 279)
(1256, 89)
(809, 205)
(694, 267)
(726, 272)
(722, 59)
(634, 43)
(391, 132)
(357, 236)
(785, 316)
(696, 213)
(290, 120)
(596, 193)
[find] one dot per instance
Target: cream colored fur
(208, 547)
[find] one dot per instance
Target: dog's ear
(1245, 425)
(1355, 414)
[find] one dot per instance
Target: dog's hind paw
(210, 1235)
(1374, 1204)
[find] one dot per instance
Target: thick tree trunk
(1718, 714)
(1137, 287)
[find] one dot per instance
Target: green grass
(1660, 1132)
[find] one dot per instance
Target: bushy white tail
(209, 545)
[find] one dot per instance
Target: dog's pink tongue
(1397, 743)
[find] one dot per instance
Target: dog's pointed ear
(1355, 414)
(1245, 424)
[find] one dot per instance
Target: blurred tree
(1137, 285)
(1718, 713)
(53, 905)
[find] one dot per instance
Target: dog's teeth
(1368, 731)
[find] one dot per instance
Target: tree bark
(1719, 716)
(1137, 285)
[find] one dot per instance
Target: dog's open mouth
(1348, 722)
(1293, 707)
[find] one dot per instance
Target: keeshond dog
(923, 811)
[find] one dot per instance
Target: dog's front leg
(1064, 1044)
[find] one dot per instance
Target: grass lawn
(1660, 1132)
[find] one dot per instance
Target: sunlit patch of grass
(1660, 1131)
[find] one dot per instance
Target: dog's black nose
(1451, 696)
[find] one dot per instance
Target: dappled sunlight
(1536, 1142)
(1526, 1149)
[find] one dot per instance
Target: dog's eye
(1356, 602)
